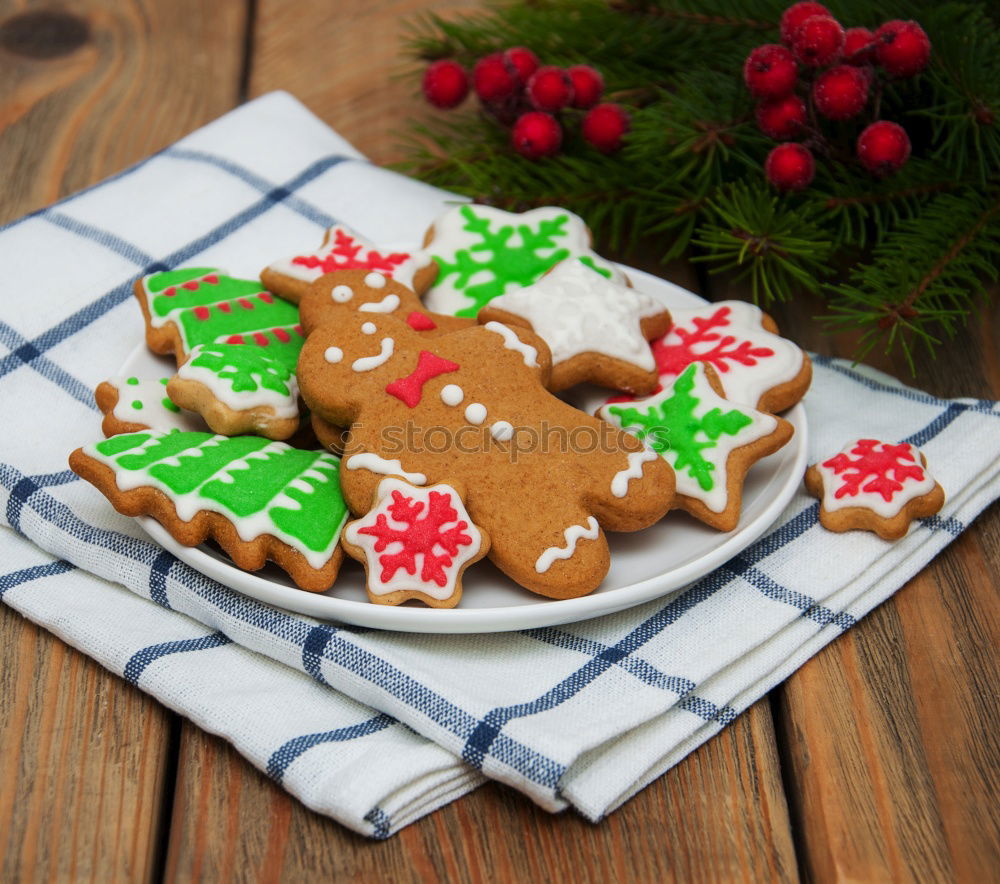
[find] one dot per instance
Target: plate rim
(496, 619)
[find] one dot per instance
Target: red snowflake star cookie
(756, 366)
(415, 543)
(343, 249)
(874, 486)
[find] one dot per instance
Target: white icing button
(502, 431)
(452, 394)
(333, 354)
(368, 328)
(342, 293)
(475, 413)
(375, 281)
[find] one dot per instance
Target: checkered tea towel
(378, 728)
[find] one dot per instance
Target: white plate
(644, 565)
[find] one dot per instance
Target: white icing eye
(501, 431)
(452, 394)
(333, 354)
(475, 413)
(342, 293)
(375, 281)
(368, 328)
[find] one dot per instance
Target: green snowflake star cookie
(482, 252)
(710, 442)
(238, 389)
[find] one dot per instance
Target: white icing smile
(367, 363)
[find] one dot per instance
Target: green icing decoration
(169, 405)
(209, 307)
(587, 261)
(672, 429)
(247, 369)
(521, 265)
(297, 492)
(137, 404)
(133, 381)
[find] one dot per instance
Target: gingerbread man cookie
(262, 501)
(202, 305)
(369, 291)
(470, 409)
(415, 543)
(482, 252)
(597, 330)
(755, 365)
(343, 249)
(874, 486)
(710, 442)
(238, 389)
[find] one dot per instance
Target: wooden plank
(344, 61)
(85, 757)
(889, 733)
(86, 93)
(718, 816)
(85, 762)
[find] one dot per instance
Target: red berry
(859, 46)
(782, 118)
(494, 80)
(840, 92)
(902, 48)
(550, 88)
(445, 83)
(588, 85)
(795, 15)
(818, 41)
(524, 61)
(790, 167)
(536, 134)
(883, 148)
(605, 126)
(770, 71)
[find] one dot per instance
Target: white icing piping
(512, 342)
(367, 363)
(376, 464)
(636, 459)
(386, 305)
(573, 534)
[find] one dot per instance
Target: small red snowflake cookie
(874, 486)
(415, 543)
(343, 249)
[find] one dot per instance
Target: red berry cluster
(527, 96)
(839, 70)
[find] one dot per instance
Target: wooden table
(877, 760)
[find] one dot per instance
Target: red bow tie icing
(410, 388)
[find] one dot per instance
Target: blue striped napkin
(372, 728)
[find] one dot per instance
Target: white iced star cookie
(482, 252)
(598, 330)
(343, 249)
(755, 365)
(415, 543)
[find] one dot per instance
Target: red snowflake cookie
(874, 486)
(415, 543)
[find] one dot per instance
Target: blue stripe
(283, 757)
(313, 649)
(296, 203)
(381, 824)
(105, 238)
(158, 573)
(936, 426)
(141, 660)
(24, 352)
(30, 351)
(26, 575)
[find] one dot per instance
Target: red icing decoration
(212, 278)
(887, 467)
(672, 359)
(244, 303)
(344, 256)
(282, 335)
(225, 307)
(410, 388)
(235, 339)
(201, 312)
(422, 534)
(261, 339)
(191, 285)
(420, 322)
